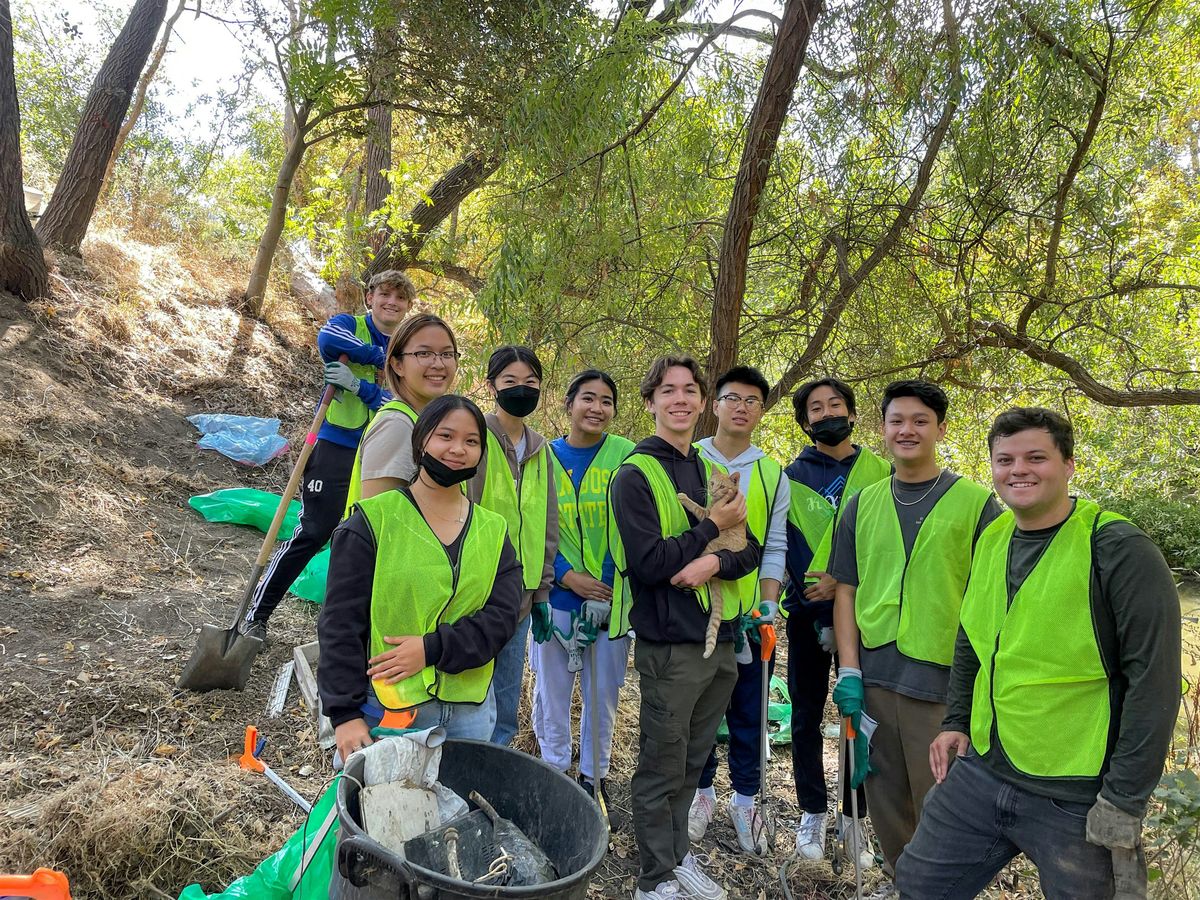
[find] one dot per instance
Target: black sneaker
(615, 817)
(255, 628)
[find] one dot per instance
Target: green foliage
(1173, 835)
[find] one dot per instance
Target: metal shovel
(222, 657)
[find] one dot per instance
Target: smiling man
(901, 556)
(663, 561)
(1064, 690)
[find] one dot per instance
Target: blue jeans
(506, 681)
(974, 823)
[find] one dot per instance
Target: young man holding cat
(739, 400)
(664, 569)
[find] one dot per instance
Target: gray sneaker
(666, 890)
(255, 628)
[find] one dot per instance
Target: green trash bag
(779, 715)
(273, 878)
(247, 506)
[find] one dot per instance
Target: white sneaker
(866, 853)
(666, 890)
(699, 815)
(748, 825)
(810, 836)
(694, 884)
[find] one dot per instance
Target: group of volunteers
(1012, 676)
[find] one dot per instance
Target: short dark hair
(503, 357)
(744, 375)
(431, 416)
(800, 398)
(590, 375)
(658, 370)
(925, 391)
(1023, 418)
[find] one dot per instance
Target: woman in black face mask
(422, 595)
(516, 482)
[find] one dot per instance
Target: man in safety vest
(901, 556)
(662, 558)
(739, 403)
(823, 478)
(1064, 691)
(363, 341)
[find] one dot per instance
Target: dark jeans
(974, 823)
(684, 696)
(323, 491)
(808, 683)
(743, 719)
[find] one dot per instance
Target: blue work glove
(825, 638)
(543, 626)
(339, 375)
(596, 613)
(768, 612)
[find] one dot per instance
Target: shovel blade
(221, 660)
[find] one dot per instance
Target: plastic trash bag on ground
(247, 506)
(250, 440)
(779, 715)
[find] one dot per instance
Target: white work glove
(825, 638)
(339, 375)
(596, 612)
(768, 612)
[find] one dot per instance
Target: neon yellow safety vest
(913, 601)
(583, 520)
(354, 494)
(1042, 690)
(760, 495)
(349, 411)
(815, 517)
(527, 516)
(416, 589)
(672, 521)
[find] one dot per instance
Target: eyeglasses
(751, 403)
(426, 357)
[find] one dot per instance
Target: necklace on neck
(462, 513)
(929, 491)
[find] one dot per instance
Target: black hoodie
(659, 611)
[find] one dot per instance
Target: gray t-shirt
(886, 666)
(387, 448)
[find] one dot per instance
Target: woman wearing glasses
(516, 482)
(420, 366)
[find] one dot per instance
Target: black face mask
(444, 475)
(519, 401)
(831, 432)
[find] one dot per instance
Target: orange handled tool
(766, 637)
(43, 884)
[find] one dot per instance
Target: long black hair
(590, 375)
(503, 357)
(431, 416)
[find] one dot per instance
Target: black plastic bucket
(544, 803)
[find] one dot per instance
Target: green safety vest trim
(817, 520)
(672, 521)
(349, 411)
(913, 601)
(583, 520)
(354, 494)
(760, 494)
(1042, 692)
(416, 589)
(527, 517)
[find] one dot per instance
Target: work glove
(1121, 833)
(742, 651)
(862, 762)
(825, 638)
(339, 375)
(768, 611)
(586, 632)
(543, 626)
(849, 694)
(596, 612)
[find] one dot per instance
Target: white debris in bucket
(394, 813)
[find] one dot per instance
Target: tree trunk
(269, 242)
(139, 99)
(70, 210)
(22, 266)
(762, 135)
(378, 156)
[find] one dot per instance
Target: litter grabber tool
(855, 850)
(764, 842)
(223, 657)
(43, 884)
(594, 727)
(250, 761)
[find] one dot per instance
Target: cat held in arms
(721, 486)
